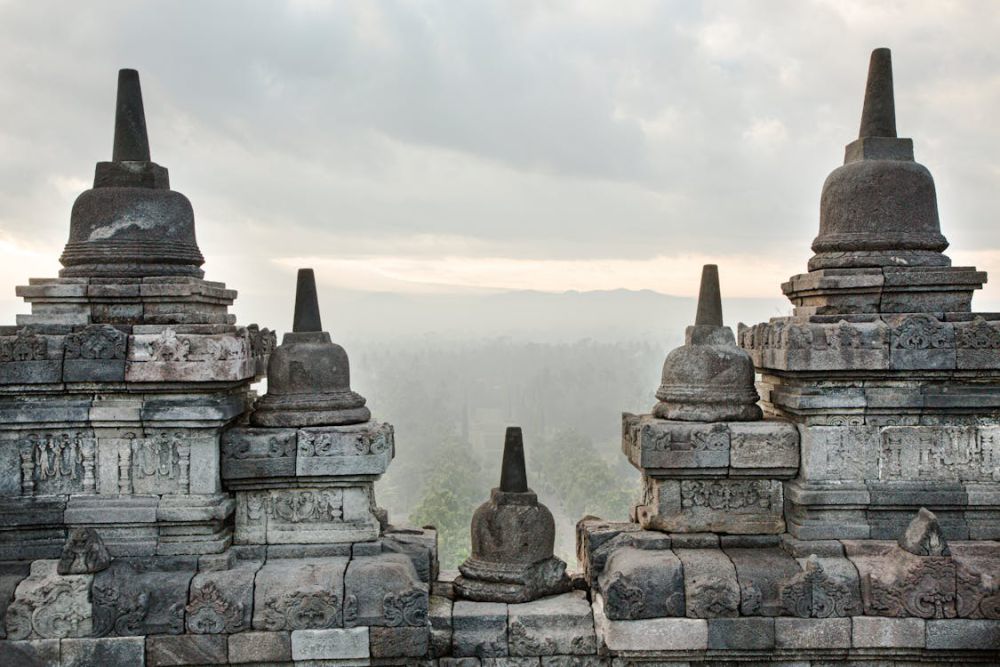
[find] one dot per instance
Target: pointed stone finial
(709, 298)
(306, 304)
(923, 536)
(513, 478)
(878, 119)
(131, 142)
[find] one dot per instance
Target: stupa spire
(513, 478)
(709, 298)
(131, 141)
(878, 117)
(306, 304)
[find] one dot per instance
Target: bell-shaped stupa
(708, 378)
(879, 208)
(308, 375)
(513, 537)
(131, 224)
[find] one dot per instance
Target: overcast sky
(448, 146)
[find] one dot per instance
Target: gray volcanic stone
(741, 633)
(250, 453)
(923, 536)
(513, 536)
(309, 376)
(710, 586)
(879, 632)
(104, 238)
(479, 629)
(221, 600)
(709, 378)
(560, 624)
(142, 596)
(826, 587)
(399, 642)
(11, 574)
(48, 605)
(35, 653)
(638, 584)
(384, 590)
(812, 633)
(956, 634)
(84, 553)
(260, 647)
(439, 615)
(106, 652)
(762, 574)
(419, 544)
(168, 651)
(651, 634)
(296, 594)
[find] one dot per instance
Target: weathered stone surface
(574, 661)
(638, 583)
(260, 647)
(879, 632)
(105, 652)
(249, 453)
(651, 634)
(762, 574)
(923, 536)
(34, 653)
(142, 596)
(439, 615)
(674, 446)
(812, 633)
(84, 553)
(330, 644)
(710, 586)
(357, 449)
(221, 601)
(297, 594)
(168, 651)
(741, 633)
(766, 448)
(895, 582)
(708, 379)
(418, 544)
(479, 629)
(384, 590)
(561, 624)
(751, 506)
(48, 605)
(513, 536)
(954, 634)
(399, 642)
(11, 574)
(317, 514)
(839, 453)
(827, 587)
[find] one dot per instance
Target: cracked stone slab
(561, 624)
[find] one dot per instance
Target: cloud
(582, 135)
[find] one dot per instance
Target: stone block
(260, 647)
(839, 453)
(384, 590)
(651, 634)
(106, 652)
(48, 605)
(510, 662)
(11, 574)
(357, 449)
(330, 644)
(34, 653)
(710, 586)
(561, 624)
(574, 661)
(921, 342)
(812, 633)
(766, 448)
(479, 629)
(299, 594)
(253, 453)
(168, 651)
(961, 633)
(306, 515)
(694, 541)
(439, 615)
(882, 632)
(752, 506)
(741, 634)
(680, 447)
(419, 544)
(827, 586)
(142, 596)
(762, 574)
(170, 356)
(638, 583)
(221, 601)
(399, 642)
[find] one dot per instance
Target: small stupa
(131, 224)
(708, 378)
(513, 536)
(309, 376)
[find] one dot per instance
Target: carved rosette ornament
(301, 610)
(210, 612)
